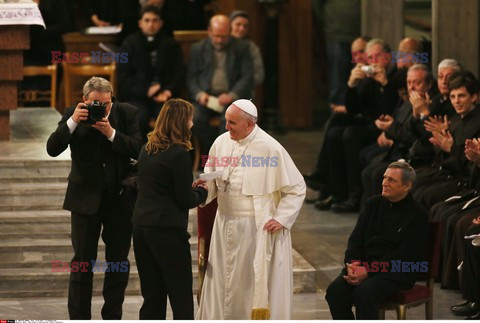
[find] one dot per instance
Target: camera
(367, 69)
(96, 111)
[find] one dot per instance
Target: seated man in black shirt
(389, 237)
(154, 72)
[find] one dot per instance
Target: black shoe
(348, 206)
(324, 204)
(474, 317)
(466, 309)
(314, 182)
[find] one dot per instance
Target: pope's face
(237, 124)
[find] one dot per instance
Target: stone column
(456, 33)
(383, 19)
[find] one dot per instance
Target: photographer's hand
(104, 127)
(80, 113)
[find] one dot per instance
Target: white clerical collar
(250, 137)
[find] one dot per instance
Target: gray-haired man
(101, 152)
(392, 228)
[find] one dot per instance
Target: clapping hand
(472, 150)
(443, 140)
(420, 103)
(437, 124)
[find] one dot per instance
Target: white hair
(450, 63)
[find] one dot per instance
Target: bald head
(219, 31)
(409, 45)
(406, 48)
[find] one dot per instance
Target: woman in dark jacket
(160, 219)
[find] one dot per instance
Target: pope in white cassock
(249, 273)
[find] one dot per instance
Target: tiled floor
(319, 236)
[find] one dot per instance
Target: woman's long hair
(171, 127)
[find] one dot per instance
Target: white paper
(214, 105)
(103, 30)
(211, 176)
(473, 236)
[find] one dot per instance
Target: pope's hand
(273, 226)
(199, 182)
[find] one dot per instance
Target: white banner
(20, 14)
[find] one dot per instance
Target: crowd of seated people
(401, 112)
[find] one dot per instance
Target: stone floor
(320, 237)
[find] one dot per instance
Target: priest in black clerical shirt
(390, 233)
(155, 71)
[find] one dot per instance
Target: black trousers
(471, 268)
(367, 296)
(116, 234)
(164, 265)
(433, 186)
(454, 243)
(344, 149)
(338, 165)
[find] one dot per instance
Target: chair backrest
(73, 73)
(32, 95)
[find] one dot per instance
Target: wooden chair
(420, 294)
(27, 96)
(72, 73)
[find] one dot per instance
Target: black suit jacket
(97, 163)
(165, 189)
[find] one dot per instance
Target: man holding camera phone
(337, 174)
(103, 137)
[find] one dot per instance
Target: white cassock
(249, 270)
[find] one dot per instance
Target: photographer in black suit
(101, 150)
